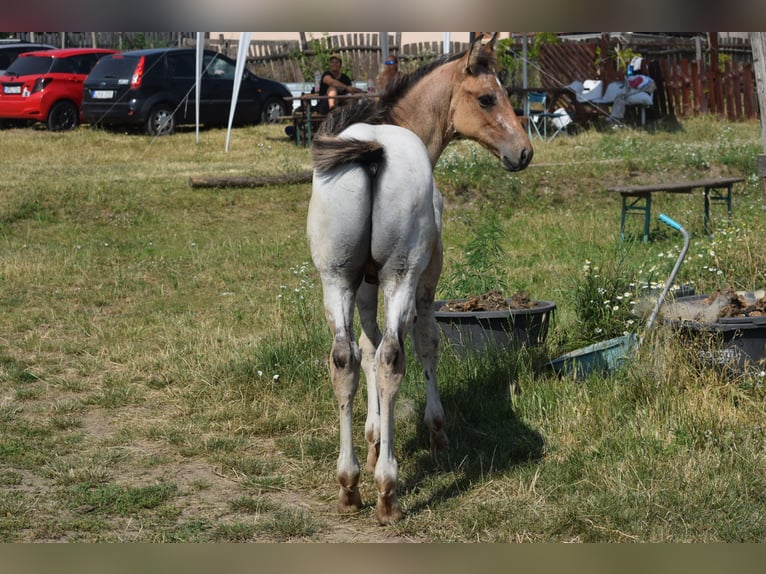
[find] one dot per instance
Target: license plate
(11, 89)
(102, 94)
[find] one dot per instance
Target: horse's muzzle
(522, 161)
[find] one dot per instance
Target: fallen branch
(254, 181)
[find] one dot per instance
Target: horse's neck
(425, 110)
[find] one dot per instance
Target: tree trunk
(255, 181)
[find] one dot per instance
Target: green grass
(163, 356)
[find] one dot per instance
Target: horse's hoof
(387, 510)
(439, 441)
(349, 500)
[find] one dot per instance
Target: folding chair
(537, 115)
(559, 119)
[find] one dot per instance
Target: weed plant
(605, 299)
(481, 268)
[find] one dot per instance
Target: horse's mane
(365, 110)
(403, 84)
(376, 111)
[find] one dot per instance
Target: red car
(46, 86)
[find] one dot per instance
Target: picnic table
(306, 120)
(638, 198)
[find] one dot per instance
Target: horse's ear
(482, 53)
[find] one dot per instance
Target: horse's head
(481, 110)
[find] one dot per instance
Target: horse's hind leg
(390, 372)
(344, 370)
(390, 361)
(367, 304)
(426, 342)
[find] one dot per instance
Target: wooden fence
(297, 60)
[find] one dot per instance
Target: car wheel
(160, 121)
(272, 111)
(63, 116)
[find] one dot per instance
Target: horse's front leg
(426, 342)
(344, 370)
(367, 304)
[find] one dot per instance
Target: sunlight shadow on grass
(486, 435)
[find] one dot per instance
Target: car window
(30, 65)
(9, 53)
(114, 67)
(6, 58)
(217, 67)
(181, 65)
(63, 66)
(81, 64)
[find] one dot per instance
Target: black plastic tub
(478, 330)
(736, 342)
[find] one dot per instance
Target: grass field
(163, 351)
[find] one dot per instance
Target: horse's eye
(486, 101)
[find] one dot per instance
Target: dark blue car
(154, 89)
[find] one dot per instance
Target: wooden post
(758, 46)
(716, 86)
(605, 76)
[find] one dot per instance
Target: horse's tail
(328, 151)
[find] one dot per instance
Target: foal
(374, 222)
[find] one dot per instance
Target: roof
(153, 51)
(68, 52)
(36, 45)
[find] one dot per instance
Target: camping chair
(539, 115)
(537, 112)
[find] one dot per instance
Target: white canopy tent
(244, 43)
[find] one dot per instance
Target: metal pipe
(669, 283)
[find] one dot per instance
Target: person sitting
(389, 75)
(334, 83)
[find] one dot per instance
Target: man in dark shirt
(334, 83)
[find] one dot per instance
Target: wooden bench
(638, 198)
(305, 124)
(307, 120)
